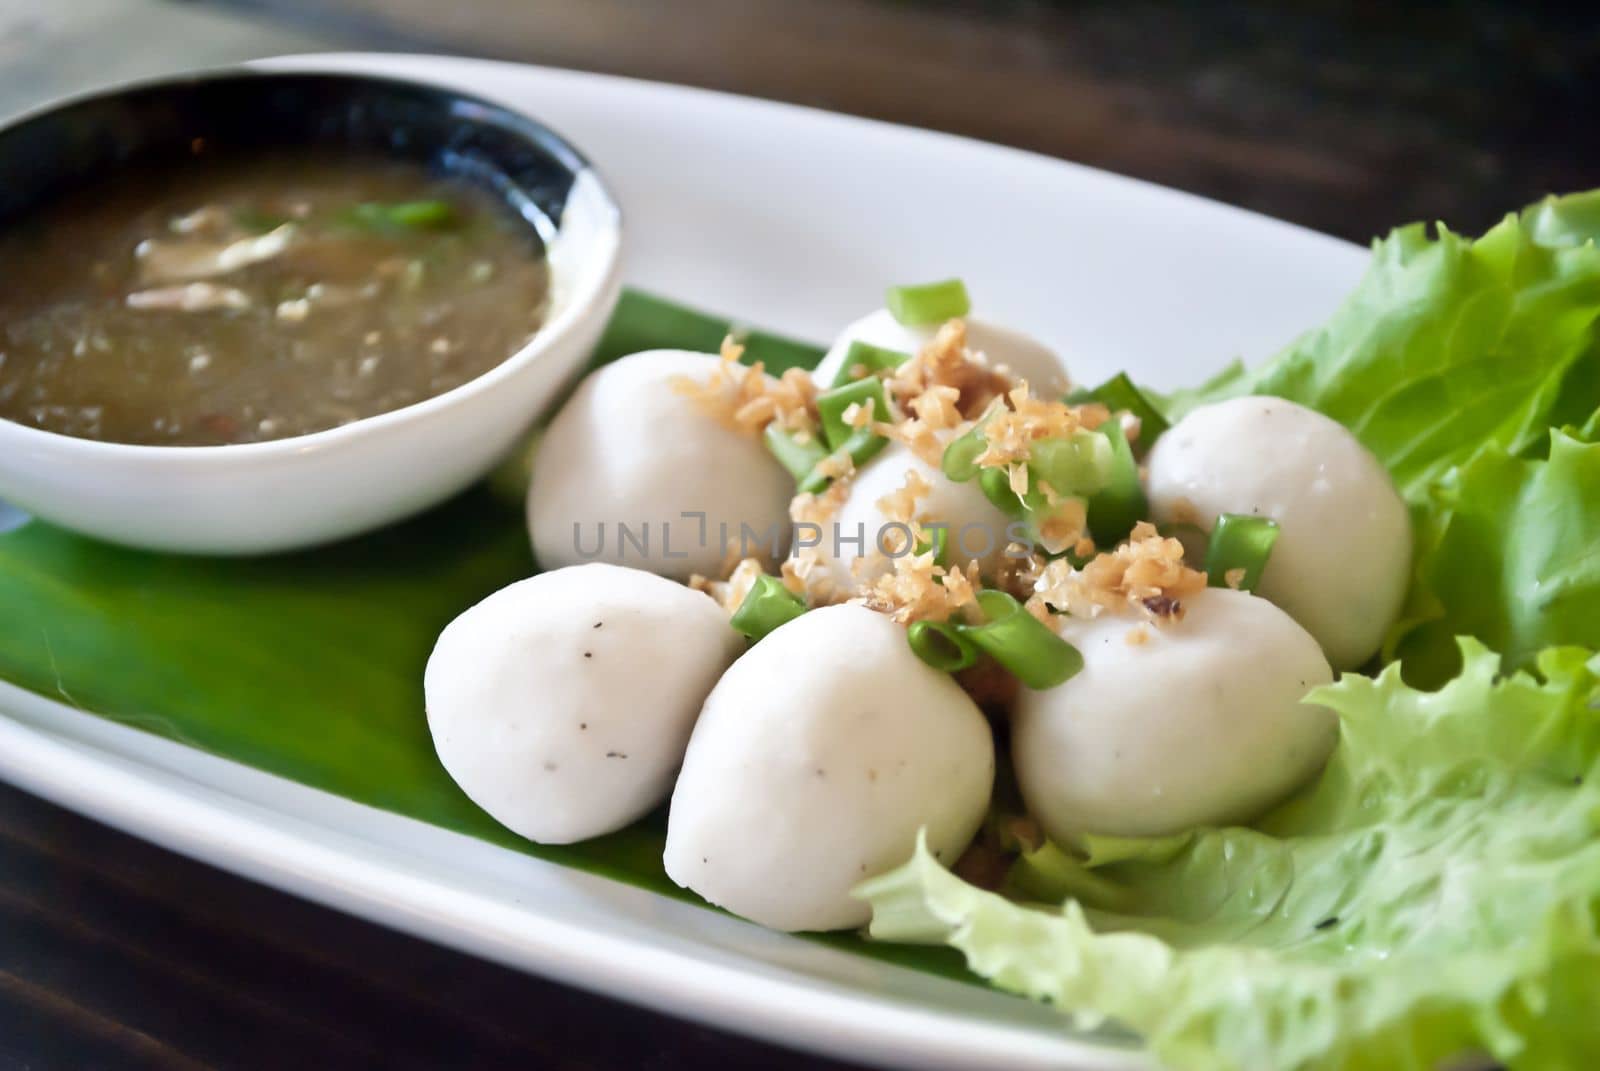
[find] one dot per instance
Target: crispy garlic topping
(919, 590)
(947, 362)
(745, 398)
(1146, 574)
(738, 579)
(1012, 431)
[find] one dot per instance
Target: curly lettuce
(1510, 554)
(1450, 343)
(1436, 893)
(1452, 361)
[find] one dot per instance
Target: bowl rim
(22, 436)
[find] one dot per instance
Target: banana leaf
(309, 665)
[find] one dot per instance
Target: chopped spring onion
(799, 456)
(1076, 560)
(1079, 464)
(960, 459)
(1021, 643)
(942, 646)
(1240, 545)
(1120, 504)
(873, 359)
(863, 446)
(408, 215)
(860, 443)
(832, 404)
(768, 605)
(996, 485)
(929, 303)
(938, 542)
(1120, 395)
(813, 483)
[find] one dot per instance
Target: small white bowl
(257, 498)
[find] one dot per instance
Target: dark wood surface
(1347, 118)
(115, 953)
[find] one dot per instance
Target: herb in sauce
(257, 298)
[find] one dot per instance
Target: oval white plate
(794, 219)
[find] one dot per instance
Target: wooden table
(1346, 118)
(115, 953)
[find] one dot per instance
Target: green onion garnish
(960, 459)
(860, 443)
(831, 407)
(942, 646)
(799, 457)
(768, 605)
(996, 485)
(1120, 504)
(873, 359)
(1119, 394)
(403, 215)
(422, 214)
(1077, 465)
(938, 542)
(1020, 642)
(814, 482)
(930, 303)
(863, 446)
(1240, 541)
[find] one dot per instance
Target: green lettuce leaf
(1510, 555)
(1449, 343)
(1435, 893)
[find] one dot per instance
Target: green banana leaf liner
(309, 665)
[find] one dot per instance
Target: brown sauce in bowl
(258, 298)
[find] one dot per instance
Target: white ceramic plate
(793, 219)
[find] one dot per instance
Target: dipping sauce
(257, 298)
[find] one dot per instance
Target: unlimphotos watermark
(693, 530)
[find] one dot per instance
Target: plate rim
(368, 880)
